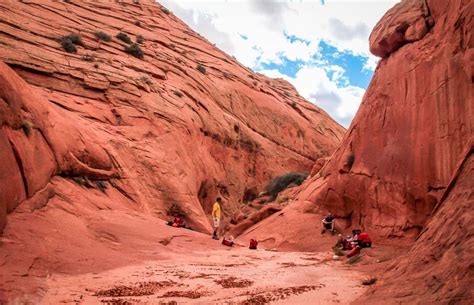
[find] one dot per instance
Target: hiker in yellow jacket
(216, 216)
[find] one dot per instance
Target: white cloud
(313, 83)
(343, 24)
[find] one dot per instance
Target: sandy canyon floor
(227, 276)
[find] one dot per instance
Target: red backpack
(227, 242)
(253, 244)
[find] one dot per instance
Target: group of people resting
(352, 243)
(178, 222)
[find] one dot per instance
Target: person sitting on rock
(347, 243)
(228, 241)
(328, 224)
(355, 250)
(177, 222)
(344, 243)
(364, 240)
(355, 234)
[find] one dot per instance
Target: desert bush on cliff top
(103, 36)
(134, 50)
(201, 68)
(70, 41)
(124, 37)
(282, 182)
(74, 38)
(175, 210)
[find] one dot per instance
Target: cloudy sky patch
(321, 47)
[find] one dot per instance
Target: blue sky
(353, 65)
(321, 47)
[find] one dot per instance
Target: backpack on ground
(253, 244)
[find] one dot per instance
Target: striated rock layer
(439, 266)
(414, 122)
(98, 147)
(181, 125)
(399, 155)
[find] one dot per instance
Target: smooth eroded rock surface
(99, 147)
(439, 265)
(398, 157)
(184, 124)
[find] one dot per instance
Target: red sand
(95, 153)
(231, 276)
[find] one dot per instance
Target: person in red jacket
(177, 222)
(364, 240)
(354, 251)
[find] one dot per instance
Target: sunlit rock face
(181, 125)
(397, 172)
(114, 116)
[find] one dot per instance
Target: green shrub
(201, 68)
(68, 46)
(165, 10)
(175, 210)
(70, 41)
(74, 38)
(124, 37)
(140, 39)
(282, 182)
(80, 180)
(134, 50)
(103, 36)
(101, 185)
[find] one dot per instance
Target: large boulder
(406, 22)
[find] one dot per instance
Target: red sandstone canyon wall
(413, 124)
(439, 265)
(153, 131)
(404, 168)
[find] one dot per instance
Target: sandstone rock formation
(98, 146)
(399, 155)
(439, 265)
(181, 125)
(414, 122)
